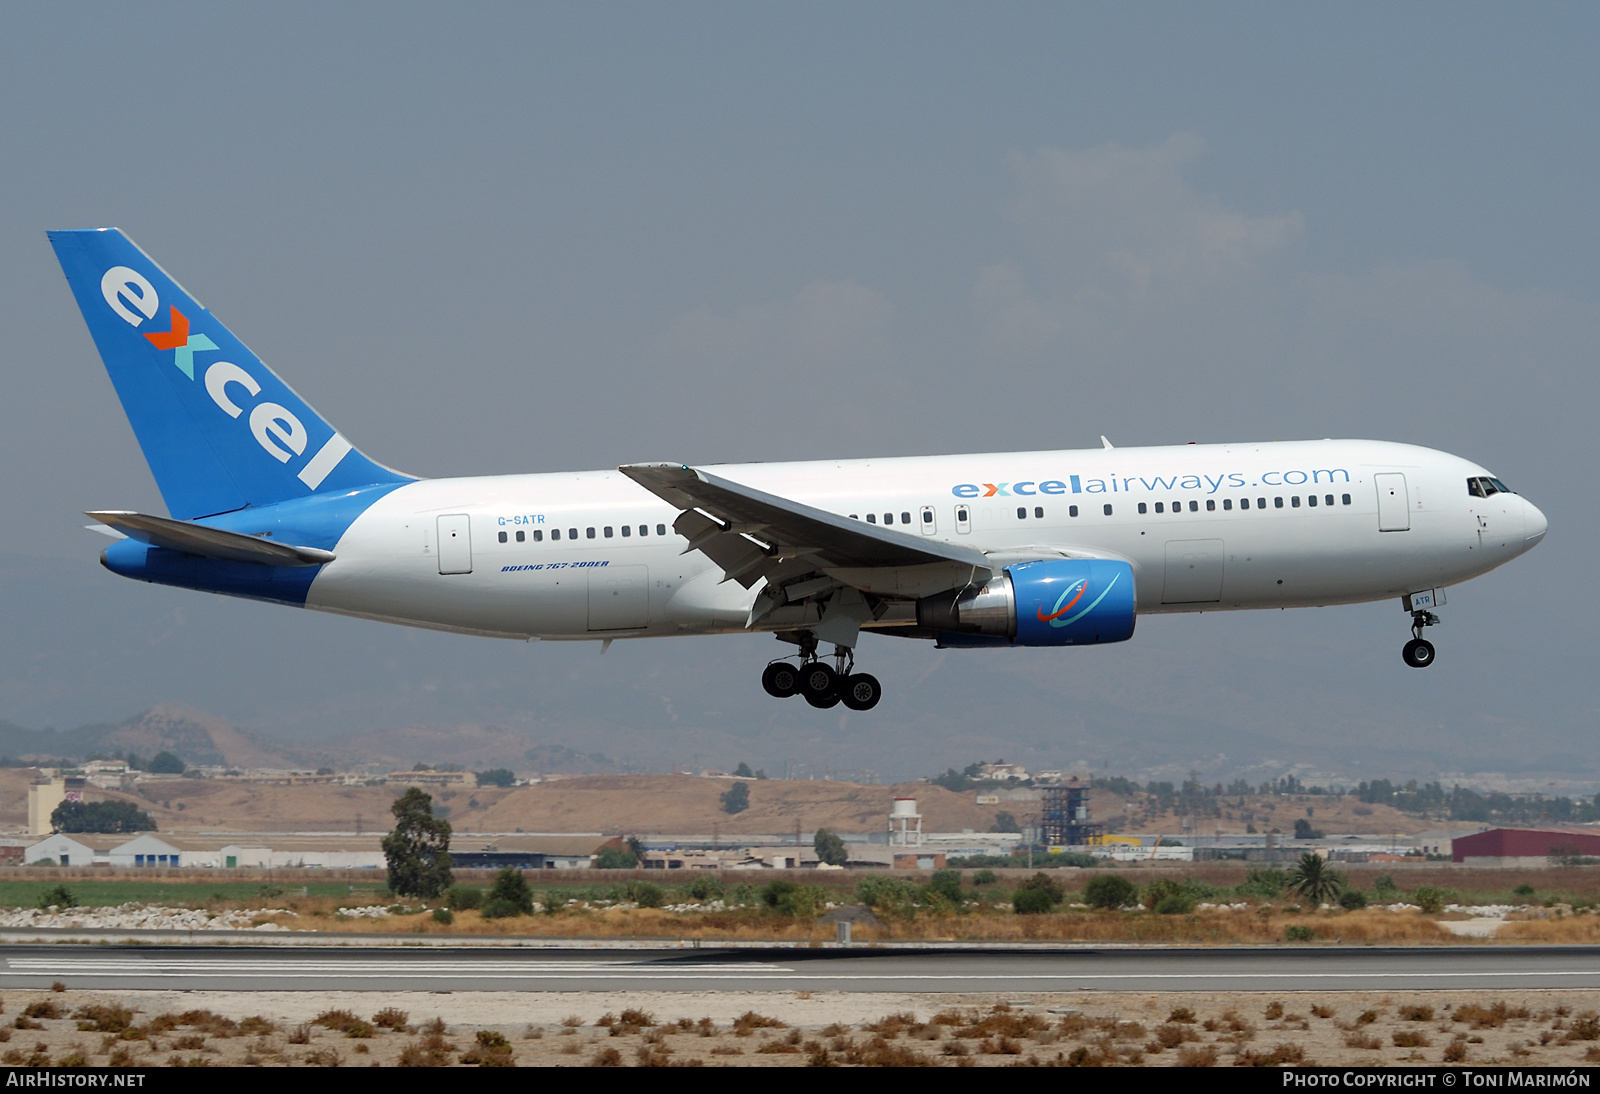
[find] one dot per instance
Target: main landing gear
(1418, 653)
(821, 684)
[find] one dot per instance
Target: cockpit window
(1483, 486)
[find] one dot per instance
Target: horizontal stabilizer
(197, 539)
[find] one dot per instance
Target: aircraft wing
(753, 535)
(197, 539)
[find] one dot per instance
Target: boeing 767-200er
(267, 500)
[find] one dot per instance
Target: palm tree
(1312, 879)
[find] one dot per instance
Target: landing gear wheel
(1418, 653)
(861, 691)
(823, 702)
(818, 681)
(780, 679)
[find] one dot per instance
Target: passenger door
(1194, 572)
(1394, 504)
(619, 598)
(455, 544)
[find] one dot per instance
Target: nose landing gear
(1418, 653)
(822, 685)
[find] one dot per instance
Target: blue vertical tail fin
(220, 431)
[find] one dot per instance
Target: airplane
(267, 500)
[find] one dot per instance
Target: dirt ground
(790, 1029)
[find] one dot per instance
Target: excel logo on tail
(1059, 615)
(276, 428)
(179, 338)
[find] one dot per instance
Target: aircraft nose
(1534, 523)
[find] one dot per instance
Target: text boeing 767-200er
(268, 501)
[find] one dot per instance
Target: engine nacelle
(1060, 602)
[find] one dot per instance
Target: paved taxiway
(901, 970)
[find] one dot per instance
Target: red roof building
(1525, 846)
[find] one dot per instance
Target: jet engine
(1059, 602)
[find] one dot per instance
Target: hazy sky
(492, 238)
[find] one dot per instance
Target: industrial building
(1525, 847)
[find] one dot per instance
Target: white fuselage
(1237, 528)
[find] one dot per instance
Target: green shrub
(1524, 889)
(1299, 934)
(1266, 883)
(1031, 902)
(1174, 904)
(985, 877)
(1109, 891)
(463, 898)
(58, 896)
(645, 894)
(705, 888)
(444, 915)
(792, 899)
(1160, 889)
(946, 883)
(1352, 900)
(511, 886)
(1430, 900)
(498, 907)
(1047, 885)
(886, 893)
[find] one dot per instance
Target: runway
(190, 968)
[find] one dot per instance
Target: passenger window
(555, 533)
(1244, 503)
(502, 537)
(572, 533)
(962, 515)
(589, 532)
(1327, 499)
(661, 529)
(1194, 507)
(1312, 501)
(1177, 507)
(1227, 503)
(1108, 510)
(888, 518)
(927, 516)
(1142, 509)
(1277, 503)
(538, 536)
(522, 537)
(854, 516)
(1261, 503)
(1294, 502)
(1022, 513)
(607, 531)
(627, 531)
(905, 518)
(872, 518)
(1211, 505)
(1038, 512)
(1072, 510)
(1160, 508)
(1346, 498)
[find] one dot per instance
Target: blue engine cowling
(1061, 602)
